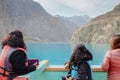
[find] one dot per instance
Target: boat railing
(46, 72)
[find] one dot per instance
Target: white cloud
(78, 4)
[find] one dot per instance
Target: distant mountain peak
(78, 20)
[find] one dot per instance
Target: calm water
(59, 53)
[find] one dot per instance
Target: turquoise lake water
(59, 53)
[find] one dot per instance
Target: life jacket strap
(6, 72)
(74, 69)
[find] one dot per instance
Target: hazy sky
(68, 8)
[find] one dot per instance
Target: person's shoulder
(108, 52)
(18, 53)
(83, 63)
(84, 66)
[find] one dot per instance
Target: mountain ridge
(99, 29)
(35, 23)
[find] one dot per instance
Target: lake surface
(59, 53)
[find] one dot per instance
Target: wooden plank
(60, 68)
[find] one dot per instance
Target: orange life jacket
(6, 71)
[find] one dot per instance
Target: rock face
(99, 29)
(35, 23)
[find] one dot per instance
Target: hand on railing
(67, 65)
(36, 64)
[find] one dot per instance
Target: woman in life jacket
(79, 68)
(13, 58)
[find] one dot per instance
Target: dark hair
(80, 53)
(115, 42)
(14, 39)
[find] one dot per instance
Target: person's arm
(106, 61)
(18, 60)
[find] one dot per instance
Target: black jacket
(18, 60)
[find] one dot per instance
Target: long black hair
(14, 39)
(80, 53)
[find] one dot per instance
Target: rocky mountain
(78, 20)
(99, 29)
(35, 23)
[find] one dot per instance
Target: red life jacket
(5, 66)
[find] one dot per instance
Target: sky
(68, 8)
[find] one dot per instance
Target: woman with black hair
(13, 58)
(78, 64)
